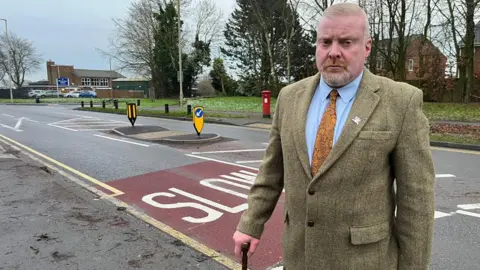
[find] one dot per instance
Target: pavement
(195, 193)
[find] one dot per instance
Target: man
(338, 141)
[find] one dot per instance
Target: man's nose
(334, 51)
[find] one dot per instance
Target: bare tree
(290, 11)
(209, 21)
(459, 15)
(132, 46)
(18, 57)
(310, 10)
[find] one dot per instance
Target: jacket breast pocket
(369, 234)
(375, 135)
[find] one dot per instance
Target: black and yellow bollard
(132, 113)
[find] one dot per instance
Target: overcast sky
(69, 31)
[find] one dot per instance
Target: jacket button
(310, 223)
(311, 191)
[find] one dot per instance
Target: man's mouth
(334, 67)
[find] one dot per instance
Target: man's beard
(338, 78)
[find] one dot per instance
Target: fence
(107, 93)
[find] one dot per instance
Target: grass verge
(144, 102)
(467, 112)
(143, 112)
(455, 138)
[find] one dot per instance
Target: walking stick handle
(245, 248)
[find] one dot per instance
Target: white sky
(69, 31)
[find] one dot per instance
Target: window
(104, 82)
(95, 82)
(86, 81)
(379, 63)
(410, 64)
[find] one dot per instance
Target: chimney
(50, 63)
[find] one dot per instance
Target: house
(435, 60)
(476, 46)
(83, 78)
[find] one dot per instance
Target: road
(198, 192)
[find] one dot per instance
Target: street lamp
(8, 57)
(180, 73)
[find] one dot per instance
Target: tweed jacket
(371, 204)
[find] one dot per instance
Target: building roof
(90, 73)
(476, 41)
(409, 38)
(131, 80)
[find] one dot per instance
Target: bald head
(347, 9)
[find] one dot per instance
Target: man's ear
(368, 47)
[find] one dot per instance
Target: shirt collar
(346, 93)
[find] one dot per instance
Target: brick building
(476, 45)
(435, 60)
(82, 78)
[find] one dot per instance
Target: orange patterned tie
(324, 139)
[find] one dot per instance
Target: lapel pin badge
(356, 120)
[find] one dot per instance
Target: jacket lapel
(301, 105)
(365, 103)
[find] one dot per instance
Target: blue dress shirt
(319, 104)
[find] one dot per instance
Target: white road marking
(8, 115)
(469, 206)
(228, 151)
(19, 123)
(468, 213)
(89, 125)
(444, 175)
(9, 127)
(62, 127)
(249, 161)
(233, 210)
(439, 214)
(221, 161)
(247, 172)
(28, 119)
(94, 129)
(120, 140)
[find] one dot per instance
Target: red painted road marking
(204, 201)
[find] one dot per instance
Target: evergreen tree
(260, 35)
(165, 78)
(221, 81)
(166, 51)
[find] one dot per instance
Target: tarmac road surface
(199, 192)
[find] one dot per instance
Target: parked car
(87, 93)
(36, 93)
(53, 94)
(73, 94)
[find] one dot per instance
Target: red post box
(266, 103)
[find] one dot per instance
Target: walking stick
(245, 248)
